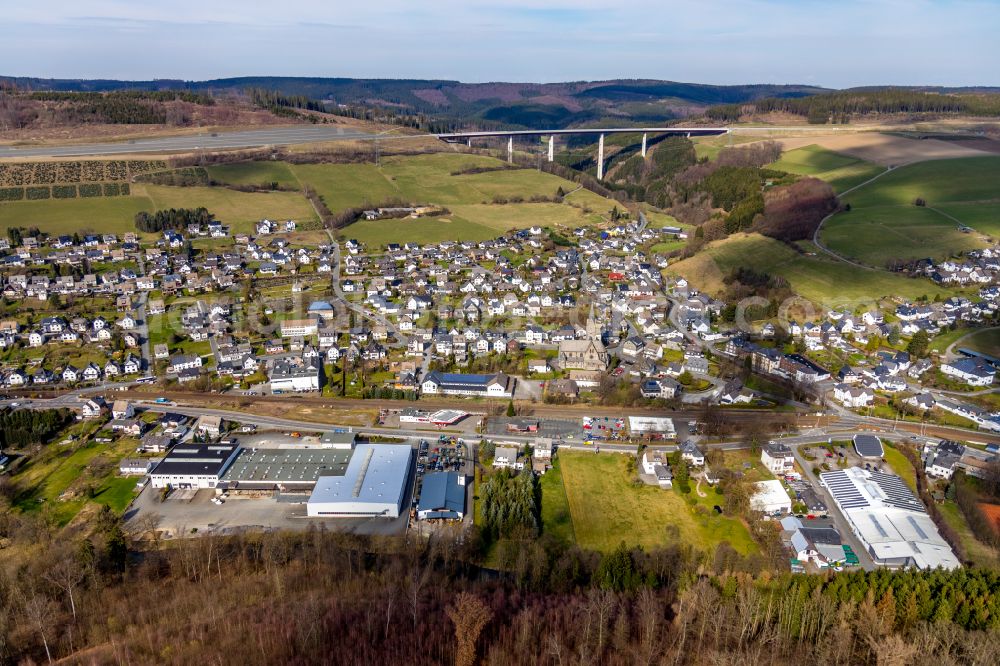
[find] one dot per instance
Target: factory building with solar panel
(286, 470)
(889, 520)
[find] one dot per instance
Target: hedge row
(37, 193)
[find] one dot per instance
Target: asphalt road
(276, 136)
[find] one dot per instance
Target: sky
(833, 43)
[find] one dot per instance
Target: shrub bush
(111, 189)
(68, 172)
(37, 193)
(92, 171)
(90, 190)
(64, 191)
(11, 193)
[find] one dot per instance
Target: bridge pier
(510, 149)
(470, 142)
(644, 144)
(552, 147)
(600, 158)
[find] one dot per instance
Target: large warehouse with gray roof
(889, 519)
(374, 484)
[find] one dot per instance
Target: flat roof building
(338, 440)
(442, 496)
(644, 425)
(771, 497)
(888, 518)
(194, 465)
(285, 470)
(373, 484)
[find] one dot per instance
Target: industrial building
(442, 496)
(374, 484)
(194, 465)
(284, 470)
(889, 520)
(338, 440)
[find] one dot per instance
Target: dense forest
(172, 219)
(278, 102)
(320, 597)
(840, 107)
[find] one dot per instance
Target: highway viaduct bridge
(467, 137)
(551, 134)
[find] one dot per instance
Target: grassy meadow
(606, 508)
(116, 215)
(875, 235)
(936, 181)
(842, 171)
(814, 276)
(986, 341)
(884, 224)
(416, 179)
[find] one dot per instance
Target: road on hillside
(274, 136)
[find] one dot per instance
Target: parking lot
(498, 426)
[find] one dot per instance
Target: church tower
(593, 327)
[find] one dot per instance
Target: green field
(428, 179)
(254, 173)
(556, 518)
(874, 235)
(936, 181)
(841, 171)
(469, 222)
(817, 277)
(66, 216)
(56, 479)
(981, 216)
(900, 465)
(986, 341)
(884, 223)
(607, 508)
(414, 179)
(979, 553)
(240, 210)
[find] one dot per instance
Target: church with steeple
(588, 353)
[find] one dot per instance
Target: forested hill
(842, 106)
(497, 104)
(445, 104)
